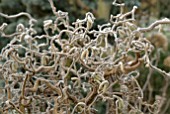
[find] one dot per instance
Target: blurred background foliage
(148, 11)
(41, 10)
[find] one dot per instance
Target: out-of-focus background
(148, 12)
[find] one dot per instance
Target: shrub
(72, 68)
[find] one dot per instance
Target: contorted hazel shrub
(72, 68)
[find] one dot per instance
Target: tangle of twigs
(70, 69)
